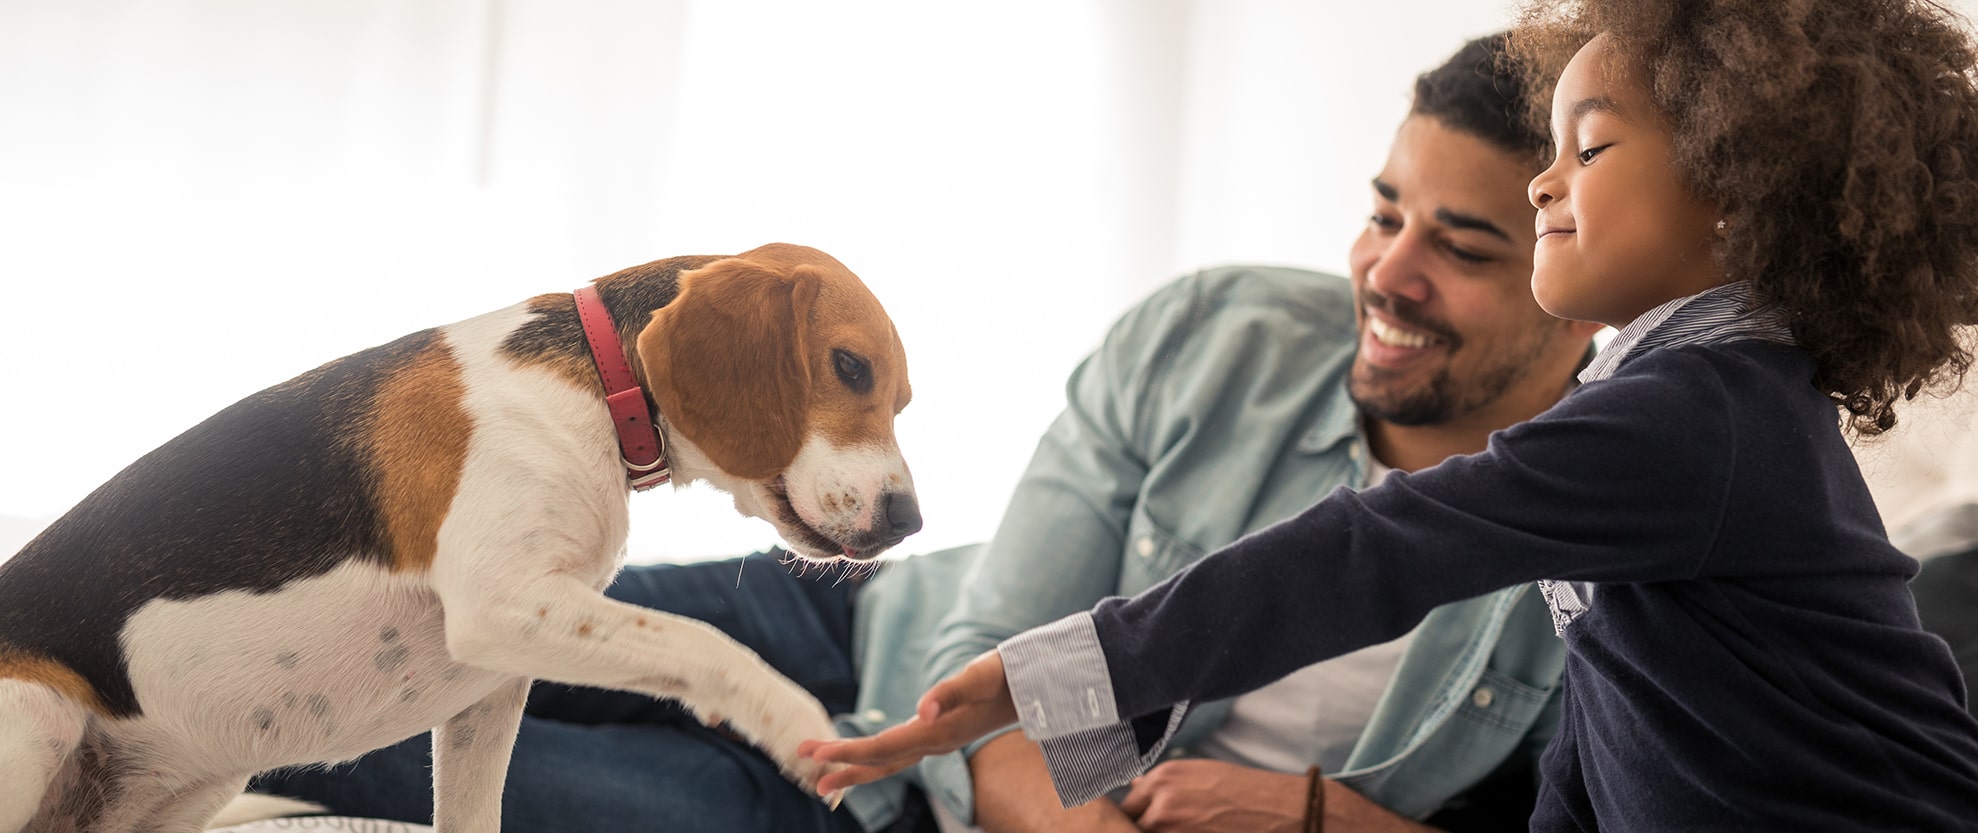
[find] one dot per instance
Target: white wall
(199, 198)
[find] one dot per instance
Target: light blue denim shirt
(1213, 409)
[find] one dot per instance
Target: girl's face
(1618, 233)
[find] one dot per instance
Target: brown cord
(1315, 800)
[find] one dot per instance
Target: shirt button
(873, 716)
(1482, 697)
(1144, 546)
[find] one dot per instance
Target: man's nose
(1400, 270)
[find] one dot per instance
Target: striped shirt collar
(1731, 312)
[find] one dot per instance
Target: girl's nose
(1543, 189)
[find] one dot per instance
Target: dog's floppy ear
(727, 361)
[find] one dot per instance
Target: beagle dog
(402, 539)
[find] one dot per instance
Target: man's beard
(1445, 397)
(1442, 399)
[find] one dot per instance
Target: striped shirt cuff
(1058, 678)
(1064, 697)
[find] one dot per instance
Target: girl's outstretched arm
(955, 712)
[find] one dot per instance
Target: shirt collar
(1339, 420)
(1731, 312)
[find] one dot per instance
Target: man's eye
(852, 370)
(1384, 221)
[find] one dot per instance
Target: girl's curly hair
(1840, 138)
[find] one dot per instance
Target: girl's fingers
(957, 710)
(855, 775)
(909, 741)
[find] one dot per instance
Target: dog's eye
(852, 370)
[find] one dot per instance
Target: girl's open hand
(954, 712)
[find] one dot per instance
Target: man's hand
(1197, 795)
(1014, 794)
(1205, 796)
(953, 713)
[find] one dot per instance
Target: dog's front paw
(785, 716)
(807, 773)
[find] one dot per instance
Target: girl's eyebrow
(1445, 216)
(1595, 104)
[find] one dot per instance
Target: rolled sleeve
(1064, 697)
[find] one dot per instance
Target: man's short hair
(1479, 91)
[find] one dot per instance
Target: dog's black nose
(902, 515)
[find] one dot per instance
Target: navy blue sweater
(1749, 659)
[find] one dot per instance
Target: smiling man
(1229, 400)
(1234, 398)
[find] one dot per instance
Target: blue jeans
(590, 759)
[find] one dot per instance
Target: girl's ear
(726, 362)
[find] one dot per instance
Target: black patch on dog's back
(629, 295)
(275, 488)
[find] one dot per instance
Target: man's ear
(728, 363)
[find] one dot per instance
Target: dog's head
(778, 375)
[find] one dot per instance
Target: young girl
(1774, 203)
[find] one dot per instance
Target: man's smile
(1390, 344)
(1394, 336)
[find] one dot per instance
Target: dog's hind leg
(470, 760)
(39, 729)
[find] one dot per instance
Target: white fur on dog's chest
(327, 668)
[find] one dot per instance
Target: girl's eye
(1587, 155)
(1384, 222)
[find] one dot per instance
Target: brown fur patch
(847, 317)
(418, 442)
(15, 665)
(741, 362)
(725, 361)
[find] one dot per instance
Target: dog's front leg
(470, 760)
(556, 628)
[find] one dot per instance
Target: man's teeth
(1393, 337)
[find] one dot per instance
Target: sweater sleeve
(1625, 480)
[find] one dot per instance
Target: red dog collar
(639, 444)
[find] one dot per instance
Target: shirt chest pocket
(1152, 553)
